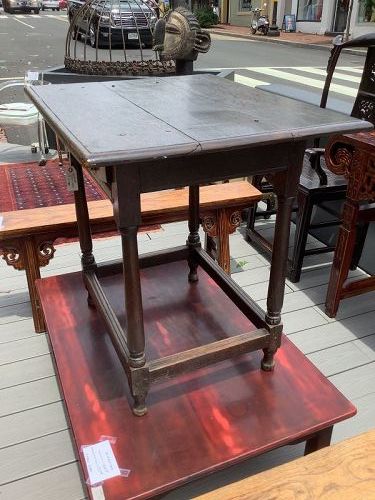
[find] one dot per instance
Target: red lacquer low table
(197, 423)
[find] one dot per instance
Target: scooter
(259, 22)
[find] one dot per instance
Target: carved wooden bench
(27, 236)
(344, 470)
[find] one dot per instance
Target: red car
(63, 4)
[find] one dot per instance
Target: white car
(50, 4)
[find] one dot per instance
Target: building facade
(312, 16)
(330, 16)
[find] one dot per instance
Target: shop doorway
(340, 16)
(274, 12)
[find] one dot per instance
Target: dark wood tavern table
(159, 133)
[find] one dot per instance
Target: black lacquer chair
(319, 188)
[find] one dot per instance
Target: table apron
(202, 168)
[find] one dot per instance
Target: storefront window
(245, 6)
(366, 11)
(309, 10)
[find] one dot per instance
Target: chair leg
(251, 219)
(251, 214)
(43, 160)
(210, 246)
(305, 206)
(359, 244)
(59, 152)
(342, 258)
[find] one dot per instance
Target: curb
(259, 38)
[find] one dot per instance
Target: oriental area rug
(28, 185)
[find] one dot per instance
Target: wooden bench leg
(30, 255)
(319, 441)
(220, 224)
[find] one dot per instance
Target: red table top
(196, 423)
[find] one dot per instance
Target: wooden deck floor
(37, 458)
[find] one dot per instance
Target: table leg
(83, 222)
(127, 213)
(193, 240)
(285, 184)
(134, 314)
(319, 440)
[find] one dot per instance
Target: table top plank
(199, 422)
(115, 122)
(344, 470)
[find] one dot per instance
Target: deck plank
(29, 395)
(19, 350)
(357, 382)
(334, 333)
(35, 456)
(339, 358)
(31, 424)
(61, 483)
(15, 312)
(11, 331)
(27, 370)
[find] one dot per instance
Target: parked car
(12, 6)
(50, 4)
(124, 20)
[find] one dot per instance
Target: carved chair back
(364, 105)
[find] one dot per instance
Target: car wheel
(58, 8)
(36, 11)
(92, 36)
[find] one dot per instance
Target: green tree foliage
(206, 17)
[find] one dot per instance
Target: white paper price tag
(32, 76)
(71, 179)
(100, 462)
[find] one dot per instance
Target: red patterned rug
(28, 185)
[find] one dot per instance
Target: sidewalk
(293, 39)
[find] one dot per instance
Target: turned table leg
(285, 184)
(134, 314)
(83, 221)
(127, 212)
(193, 240)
